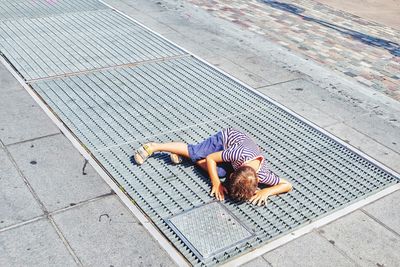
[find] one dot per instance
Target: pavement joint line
(337, 249)
(55, 212)
(134, 64)
(333, 124)
(16, 225)
(282, 82)
(33, 139)
(30, 188)
(65, 241)
(82, 203)
(380, 222)
(263, 257)
(310, 227)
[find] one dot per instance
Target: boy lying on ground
(228, 145)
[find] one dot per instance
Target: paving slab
(53, 167)
(307, 111)
(19, 112)
(7, 81)
(309, 250)
(34, 244)
(238, 72)
(266, 68)
(367, 145)
(385, 131)
(386, 211)
(104, 233)
(364, 240)
(17, 204)
(190, 45)
(308, 93)
(128, 8)
(358, 112)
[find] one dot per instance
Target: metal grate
(173, 96)
(16, 9)
(118, 106)
(75, 42)
(325, 175)
(112, 112)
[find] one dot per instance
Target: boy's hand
(218, 190)
(260, 197)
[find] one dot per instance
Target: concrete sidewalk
(57, 211)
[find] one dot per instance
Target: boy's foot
(142, 153)
(176, 159)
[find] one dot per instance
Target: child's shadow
(185, 164)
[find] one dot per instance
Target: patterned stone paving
(364, 50)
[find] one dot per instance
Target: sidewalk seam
(337, 248)
(64, 240)
(379, 222)
(55, 212)
(33, 139)
(30, 188)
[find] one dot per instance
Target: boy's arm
(262, 195)
(217, 188)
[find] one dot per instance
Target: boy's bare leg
(172, 147)
(202, 164)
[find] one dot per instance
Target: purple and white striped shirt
(239, 148)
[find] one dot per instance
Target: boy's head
(242, 183)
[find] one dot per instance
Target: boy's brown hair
(242, 183)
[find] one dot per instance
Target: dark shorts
(212, 144)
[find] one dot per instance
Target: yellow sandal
(142, 153)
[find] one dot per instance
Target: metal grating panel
(16, 9)
(113, 107)
(209, 229)
(113, 111)
(74, 42)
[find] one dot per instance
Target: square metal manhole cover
(209, 229)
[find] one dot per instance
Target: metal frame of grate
(170, 96)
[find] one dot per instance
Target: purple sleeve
(270, 179)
